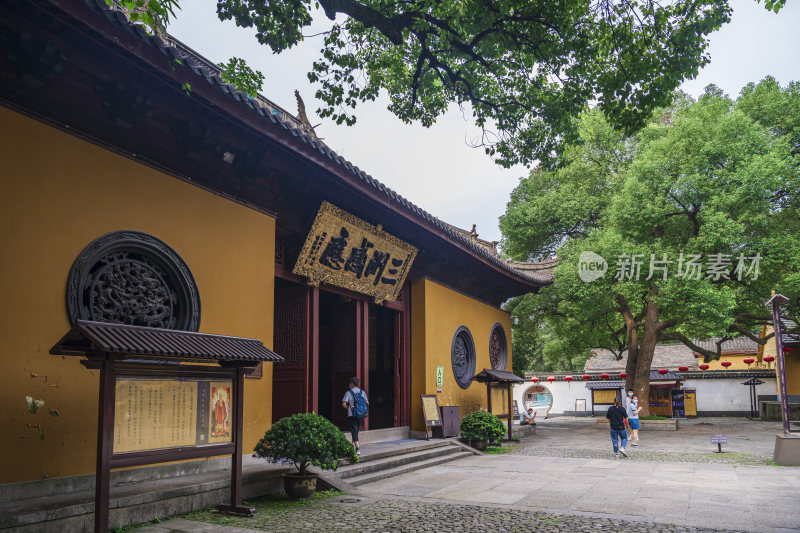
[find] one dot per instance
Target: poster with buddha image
(220, 413)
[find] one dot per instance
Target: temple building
(138, 188)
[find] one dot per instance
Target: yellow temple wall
(436, 313)
(792, 361)
(737, 362)
(59, 193)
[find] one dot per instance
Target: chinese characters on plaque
(345, 251)
(153, 414)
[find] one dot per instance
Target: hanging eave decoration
(347, 252)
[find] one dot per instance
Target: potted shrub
(480, 428)
(304, 439)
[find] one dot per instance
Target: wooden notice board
(430, 413)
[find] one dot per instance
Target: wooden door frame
(402, 330)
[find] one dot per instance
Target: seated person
(527, 418)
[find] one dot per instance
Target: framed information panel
(430, 413)
(159, 413)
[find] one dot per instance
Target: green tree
(240, 75)
(706, 185)
(526, 69)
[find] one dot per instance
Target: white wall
(564, 396)
(715, 396)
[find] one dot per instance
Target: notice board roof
(125, 341)
(496, 376)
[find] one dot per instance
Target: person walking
(633, 419)
(616, 417)
(355, 400)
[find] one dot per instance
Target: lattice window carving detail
(289, 333)
(498, 348)
(462, 356)
(129, 277)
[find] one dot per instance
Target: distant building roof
(669, 356)
(737, 345)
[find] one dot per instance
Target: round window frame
(504, 357)
(469, 343)
(179, 278)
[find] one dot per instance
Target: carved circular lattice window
(498, 348)
(129, 277)
(462, 353)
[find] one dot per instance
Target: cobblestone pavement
(648, 455)
(384, 515)
(565, 478)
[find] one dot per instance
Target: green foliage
(153, 14)
(482, 425)
(305, 439)
(525, 69)
(706, 177)
(240, 75)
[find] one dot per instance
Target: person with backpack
(357, 405)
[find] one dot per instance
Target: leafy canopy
(715, 178)
(526, 69)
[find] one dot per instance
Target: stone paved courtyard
(565, 478)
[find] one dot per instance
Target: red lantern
(788, 348)
(725, 365)
(604, 376)
(768, 359)
(662, 371)
(535, 379)
(551, 379)
(703, 367)
(623, 375)
(586, 377)
(748, 361)
(568, 379)
(683, 369)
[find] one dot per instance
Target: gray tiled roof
(737, 345)
(206, 69)
(669, 356)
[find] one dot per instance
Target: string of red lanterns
(748, 361)
(725, 365)
(604, 376)
(623, 375)
(769, 359)
(568, 379)
(586, 377)
(703, 367)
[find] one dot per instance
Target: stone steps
(379, 464)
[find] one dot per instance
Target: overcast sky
(435, 167)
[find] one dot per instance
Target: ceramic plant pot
(299, 486)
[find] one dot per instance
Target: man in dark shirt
(616, 416)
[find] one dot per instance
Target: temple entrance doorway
(384, 354)
(340, 328)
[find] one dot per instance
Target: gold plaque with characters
(347, 252)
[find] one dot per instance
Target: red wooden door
(289, 382)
